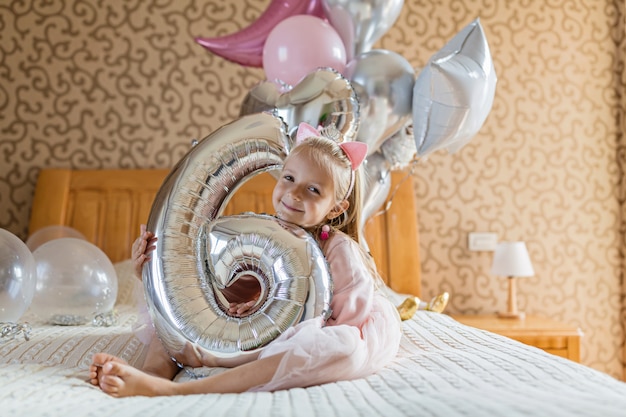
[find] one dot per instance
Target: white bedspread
(443, 369)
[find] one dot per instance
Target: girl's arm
(353, 282)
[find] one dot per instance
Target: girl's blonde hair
(327, 154)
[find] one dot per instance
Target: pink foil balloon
(246, 46)
(298, 46)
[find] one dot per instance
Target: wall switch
(482, 241)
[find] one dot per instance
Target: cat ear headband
(355, 151)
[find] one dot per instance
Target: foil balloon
(399, 150)
(454, 92)
(377, 185)
(17, 277)
(245, 47)
(49, 233)
(199, 253)
(323, 98)
(288, 265)
(360, 23)
(297, 46)
(261, 98)
(76, 281)
(383, 82)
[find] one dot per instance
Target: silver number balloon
(283, 258)
(198, 253)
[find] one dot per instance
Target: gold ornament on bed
(410, 305)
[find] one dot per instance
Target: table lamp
(511, 259)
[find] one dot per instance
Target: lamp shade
(511, 259)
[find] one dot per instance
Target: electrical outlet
(482, 241)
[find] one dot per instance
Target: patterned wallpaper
(123, 84)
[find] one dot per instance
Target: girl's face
(304, 193)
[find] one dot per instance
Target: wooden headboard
(107, 207)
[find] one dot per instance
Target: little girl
(318, 190)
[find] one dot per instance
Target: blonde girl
(319, 190)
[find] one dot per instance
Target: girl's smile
(288, 207)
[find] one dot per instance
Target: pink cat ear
(356, 152)
(305, 131)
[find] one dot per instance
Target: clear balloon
(299, 45)
(75, 282)
(17, 277)
(49, 233)
(245, 47)
(323, 98)
(454, 92)
(383, 82)
(360, 23)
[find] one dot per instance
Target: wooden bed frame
(107, 207)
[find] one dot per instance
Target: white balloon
(454, 92)
(75, 282)
(17, 277)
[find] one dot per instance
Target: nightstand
(550, 335)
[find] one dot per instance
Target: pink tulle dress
(361, 336)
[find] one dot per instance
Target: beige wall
(122, 84)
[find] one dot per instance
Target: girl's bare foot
(98, 360)
(119, 379)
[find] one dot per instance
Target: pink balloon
(246, 46)
(299, 45)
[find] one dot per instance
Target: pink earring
(325, 233)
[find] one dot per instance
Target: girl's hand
(142, 246)
(242, 295)
(238, 309)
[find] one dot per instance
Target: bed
(443, 368)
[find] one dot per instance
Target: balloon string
(191, 374)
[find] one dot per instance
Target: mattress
(443, 368)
